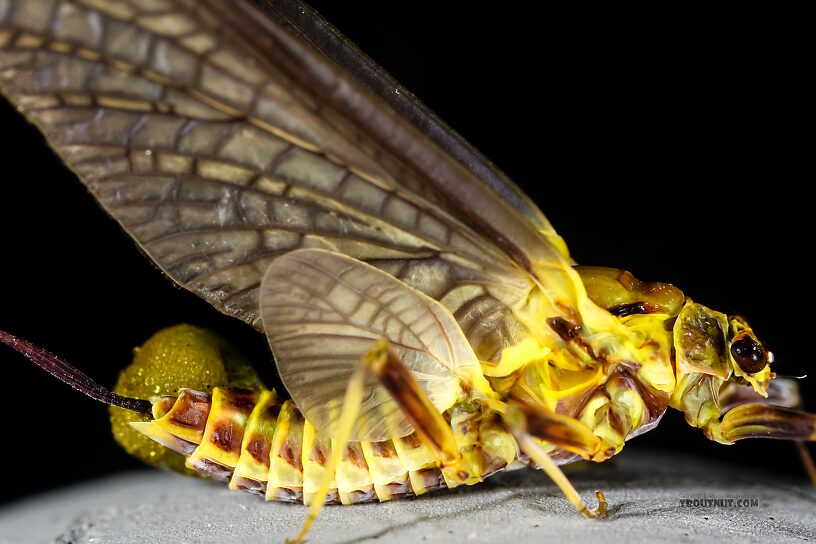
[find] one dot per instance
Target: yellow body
(295, 455)
(369, 470)
(605, 388)
(292, 191)
(382, 470)
(592, 381)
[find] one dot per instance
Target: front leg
(730, 412)
(522, 422)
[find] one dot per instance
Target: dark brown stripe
(563, 328)
(242, 399)
(656, 401)
(492, 465)
(553, 429)
(271, 413)
(615, 421)
(633, 308)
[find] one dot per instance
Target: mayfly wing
(323, 311)
(329, 41)
(220, 140)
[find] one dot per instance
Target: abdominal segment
(259, 443)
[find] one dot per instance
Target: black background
(654, 143)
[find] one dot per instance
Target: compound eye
(749, 354)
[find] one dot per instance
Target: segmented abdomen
(261, 444)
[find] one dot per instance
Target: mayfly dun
(425, 317)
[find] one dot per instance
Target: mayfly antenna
(74, 377)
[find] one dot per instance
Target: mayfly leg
(804, 453)
(348, 415)
(431, 428)
(518, 424)
(428, 423)
(807, 461)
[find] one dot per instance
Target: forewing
(329, 41)
(219, 141)
(322, 312)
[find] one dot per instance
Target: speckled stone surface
(644, 492)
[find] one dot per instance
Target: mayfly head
(724, 347)
(725, 384)
(722, 372)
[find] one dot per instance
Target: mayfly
(424, 316)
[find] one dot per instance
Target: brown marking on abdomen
(191, 411)
(286, 494)
(273, 411)
(354, 453)
(397, 490)
(431, 478)
(360, 496)
(252, 486)
(384, 449)
(291, 454)
(222, 435)
(318, 454)
(243, 400)
(259, 449)
(412, 441)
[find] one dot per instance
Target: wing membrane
(217, 160)
(220, 140)
(323, 311)
(336, 47)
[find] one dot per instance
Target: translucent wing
(343, 53)
(323, 311)
(220, 140)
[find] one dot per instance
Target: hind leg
(348, 414)
(428, 423)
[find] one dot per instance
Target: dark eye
(749, 354)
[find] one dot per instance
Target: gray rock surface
(644, 492)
